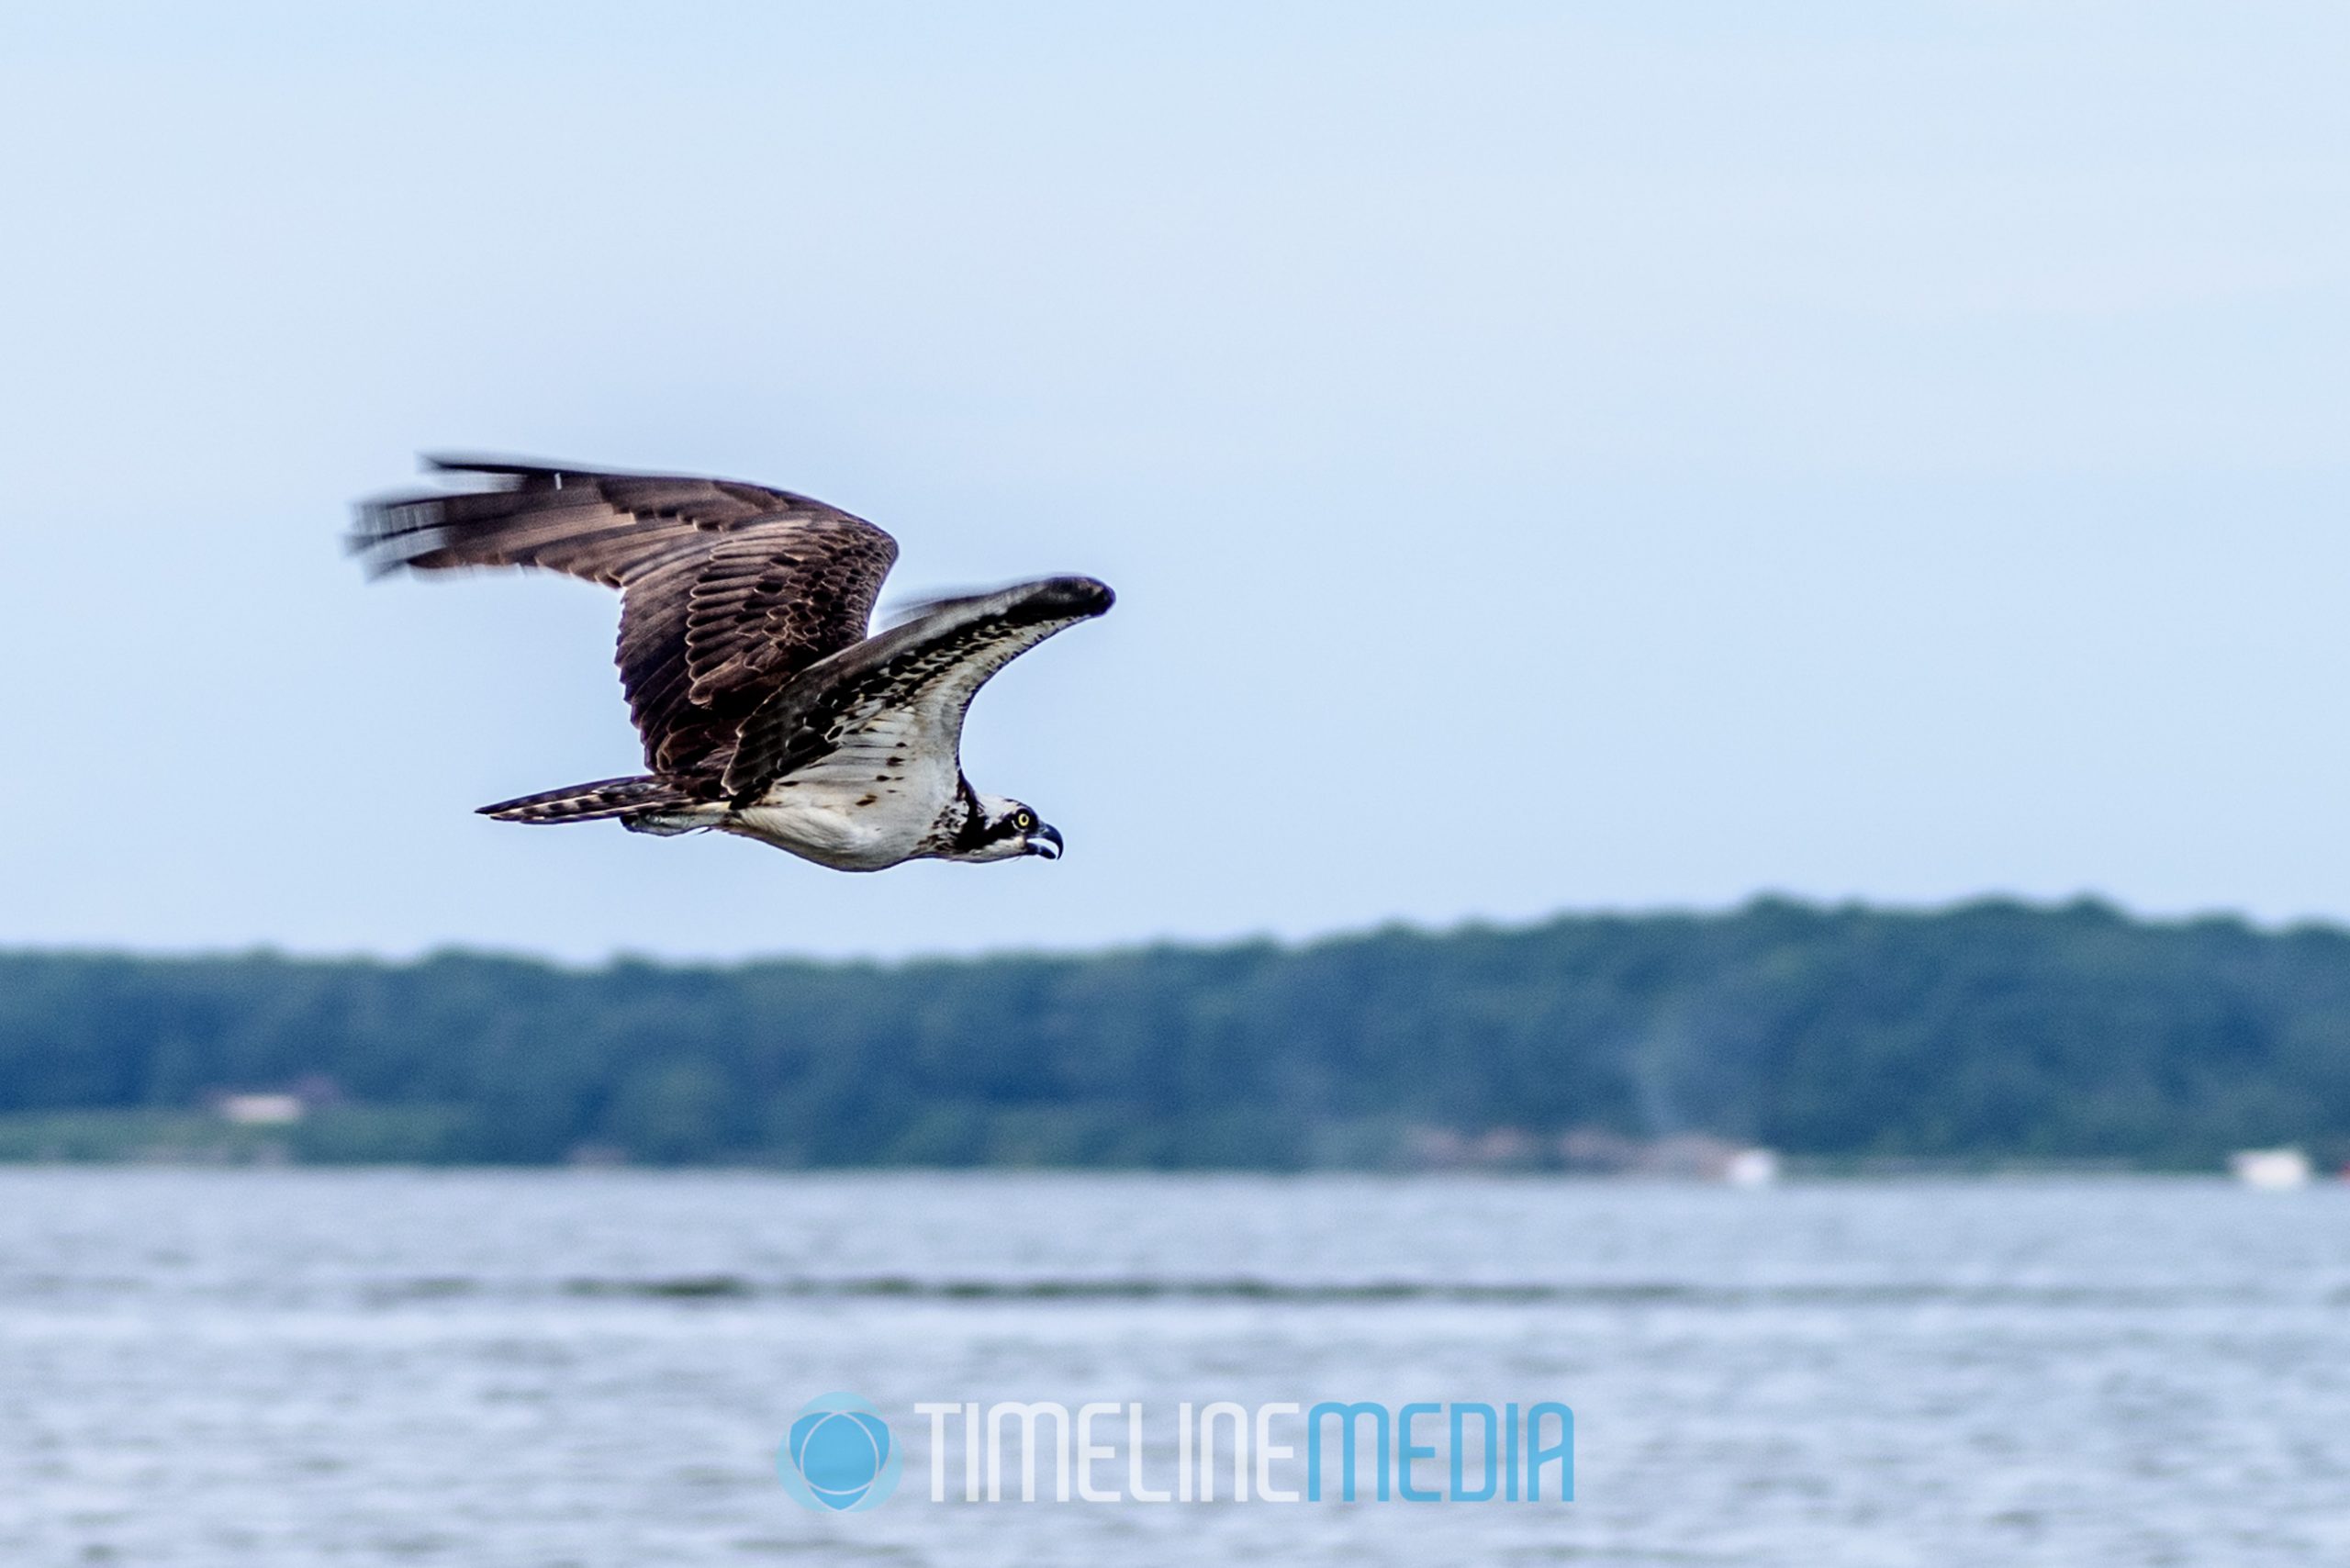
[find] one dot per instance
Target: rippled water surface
(282, 1368)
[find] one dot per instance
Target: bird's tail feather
(593, 802)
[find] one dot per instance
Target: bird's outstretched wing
(904, 691)
(727, 590)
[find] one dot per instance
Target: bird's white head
(1002, 829)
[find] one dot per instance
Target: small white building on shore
(260, 1110)
(2270, 1169)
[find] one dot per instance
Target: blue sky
(1550, 457)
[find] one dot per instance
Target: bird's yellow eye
(1023, 821)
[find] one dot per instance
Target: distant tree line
(1990, 1032)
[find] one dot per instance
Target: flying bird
(767, 706)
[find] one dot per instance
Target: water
(270, 1368)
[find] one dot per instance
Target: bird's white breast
(851, 812)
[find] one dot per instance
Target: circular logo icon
(840, 1455)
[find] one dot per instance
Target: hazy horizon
(1106, 947)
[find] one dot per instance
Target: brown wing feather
(923, 674)
(727, 590)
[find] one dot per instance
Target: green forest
(1989, 1032)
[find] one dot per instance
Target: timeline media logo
(840, 1456)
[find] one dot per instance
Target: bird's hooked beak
(1046, 840)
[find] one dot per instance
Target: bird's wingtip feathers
(1079, 596)
(480, 462)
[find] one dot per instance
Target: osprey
(767, 706)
